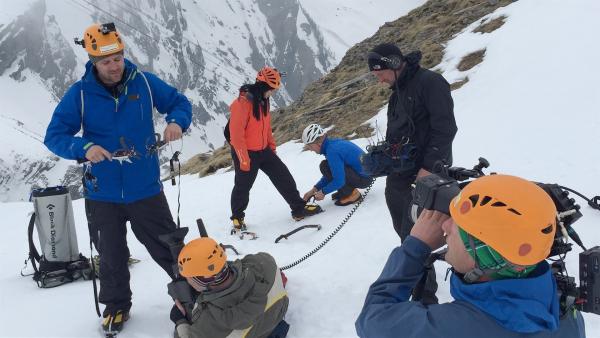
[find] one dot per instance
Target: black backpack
(226, 132)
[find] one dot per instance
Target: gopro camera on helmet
(106, 28)
(435, 192)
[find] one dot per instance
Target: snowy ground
(527, 108)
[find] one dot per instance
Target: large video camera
(435, 192)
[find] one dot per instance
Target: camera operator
(500, 232)
(421, 115)
(243, 298)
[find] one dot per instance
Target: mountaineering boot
(309, 210)
(96, 262)
(113, 322)
(352, 198)
(238, 225)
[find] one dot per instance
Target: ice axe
(317, 226)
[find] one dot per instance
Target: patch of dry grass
(459, 83)
(490, 26)
(471, 60)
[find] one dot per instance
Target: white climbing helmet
(311, 133)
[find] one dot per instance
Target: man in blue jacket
(341, 168)
(113, 105)
(501, 231)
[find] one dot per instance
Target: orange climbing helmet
(101, 40)
(202, 257)
(513, 216)
(270, 76)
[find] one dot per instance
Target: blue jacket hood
(522, 305)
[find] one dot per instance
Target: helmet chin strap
(478, 274)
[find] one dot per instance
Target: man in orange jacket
(253, 148)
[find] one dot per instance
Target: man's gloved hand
(183, 330)
(182, 326)
(176, 314)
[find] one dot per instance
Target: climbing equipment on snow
(339, 227)
(307, 226)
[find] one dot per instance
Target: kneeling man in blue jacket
(499, 235)
(341, 169)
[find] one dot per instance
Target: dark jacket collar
(410, 69)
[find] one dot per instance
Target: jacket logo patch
(134, 97)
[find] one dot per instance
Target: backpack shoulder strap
(34, 256)
(149, 90)
(82, 107)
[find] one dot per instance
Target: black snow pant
(353, 179)
(398, 196)
(149, 218)
(267, 161)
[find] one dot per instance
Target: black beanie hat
(378, 57)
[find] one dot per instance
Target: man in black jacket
(420, 117)
(420, 114)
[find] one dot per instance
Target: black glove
(176, 315)
(280, 330)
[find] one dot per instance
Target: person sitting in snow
(243, 298)
(499, 235)
(341, 168)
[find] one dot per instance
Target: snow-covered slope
(207, 49)
(524, 108)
